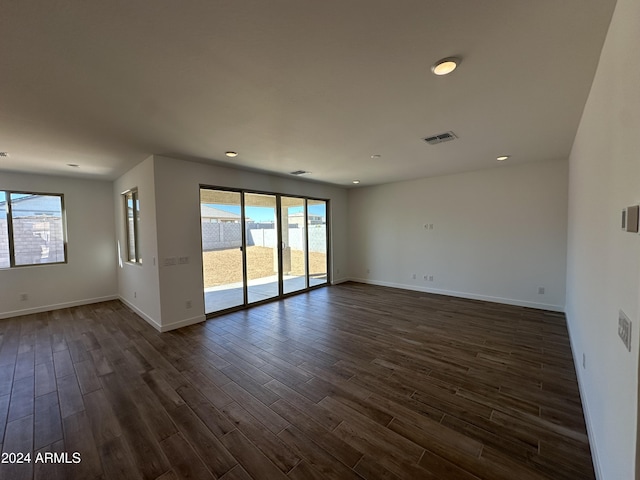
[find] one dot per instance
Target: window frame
(10, 232)
(136, 259)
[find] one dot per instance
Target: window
(32, 229)
(132, 216)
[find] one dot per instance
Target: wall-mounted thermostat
(632, 218)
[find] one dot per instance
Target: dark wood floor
(345, 382)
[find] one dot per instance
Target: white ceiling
(318, 85)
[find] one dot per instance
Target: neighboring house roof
(212, 212)
(301, 214)
(32, 205)
(312, 217)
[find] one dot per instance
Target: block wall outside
(217, 236)
(4, 244)
(35, 239)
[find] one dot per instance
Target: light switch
(624, 329)
(632, 218)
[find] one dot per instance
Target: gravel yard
(225, 266)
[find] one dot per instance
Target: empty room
(319, 239)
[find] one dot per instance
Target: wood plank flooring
(346, 382)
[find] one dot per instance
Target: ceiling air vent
(440, 138)
(300, 172)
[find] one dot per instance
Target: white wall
(139, 285)
(177, 187)
(603, 263)
(497, 235)
(90, 274)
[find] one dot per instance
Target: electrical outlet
(426, 277)
(633, 214)
(584, 360)
(24, 297)
(135, 294)
(183, 260)
(187, 304)
(540, 290)
(169, 261)
(414, 276)
(368, 271)
(624, 329)
(431, 278)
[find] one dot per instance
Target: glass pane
(131, 231)
(132, 205)
(317, 231)
(136, 202)
(262, 251)
(221, 249)
(38, 232)
(294, 243)
(4, 232)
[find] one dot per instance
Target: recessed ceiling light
(74, 165)
(376, 155)
(445, 66)
(231, 154)
(503, 158)
(356, 182)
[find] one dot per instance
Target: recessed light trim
(445, 66)
(502, 158)
(376, 155)
(231, 154)
(73, 165)
(299, 172)
(355, 182)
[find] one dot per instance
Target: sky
(267, 214)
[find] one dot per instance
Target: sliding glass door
(294, 244)
(259, 246)
(262, 246)
(222, 249)
(317, 228)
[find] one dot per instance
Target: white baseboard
(340, 280)
(183, 323)
(141, 314)
(585, 405)
(471, 296)
(56, 306)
